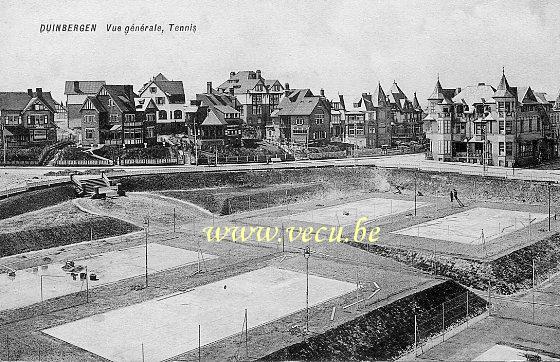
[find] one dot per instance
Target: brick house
(503, 126)
(301, 118)
(258, 98)
(76, 92)
(407, 116)
(214, 117)
(28, 118)
(117, 116)
(367, 119)
(169, 97)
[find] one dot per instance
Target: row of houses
(500, 125)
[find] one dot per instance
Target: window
(508, 126)
(259, 88)
(114, 118)
(501, 125)
(150, 132)
(319, 118)
(40, 134)
(299, 130)
(12, 119)
(160, 100)
(177, 114)
(129, 118)
(89, 133)
(509, 148)
(89, 118)
(153, 89)
(299, 121)
(501, 148)
(39, 107)
(538, 125)
(36, 119)
(162, 115)
(257, 98)
(530, 125)
(150, 117)
(111, 102)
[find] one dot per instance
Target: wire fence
(439, 321)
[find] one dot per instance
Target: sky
(344, 47)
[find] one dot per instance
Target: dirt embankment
(355, 178)
(388, 332)
(35, 200)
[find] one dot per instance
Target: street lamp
(306, 255)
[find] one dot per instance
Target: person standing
(451, 196)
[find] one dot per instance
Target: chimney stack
(39, 92)
(322, 92)
(208, 87)
(457, 91)
(232, 91)
(231, 74)
(76, 86)
(30, 92)
(129, 92)
(258, 74)
(287, 86)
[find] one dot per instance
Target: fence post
(443, 320)
(467, 309)
(415, 337)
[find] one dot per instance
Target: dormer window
(259, 88)
(39, 107)
(111, 102)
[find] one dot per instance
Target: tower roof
(437, 93)
(503, 90)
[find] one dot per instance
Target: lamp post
(306, 255)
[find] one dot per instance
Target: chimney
(258, 74)
(287, 86)
(232, 91)
(76, 86)
(128, 91)
(458, 90)
(231, 74)
(322, 92)
(208, 87)
(39, 92)
(481, 83)
(30, 92)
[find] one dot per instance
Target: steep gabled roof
(95, 102)
(121, 96)
(142, 104)
(525, 95)
(219, 104)
(20, 101)
(161, 77)
(299, 102)
(90, 87)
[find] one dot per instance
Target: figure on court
(451, 195)
(456, 198)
